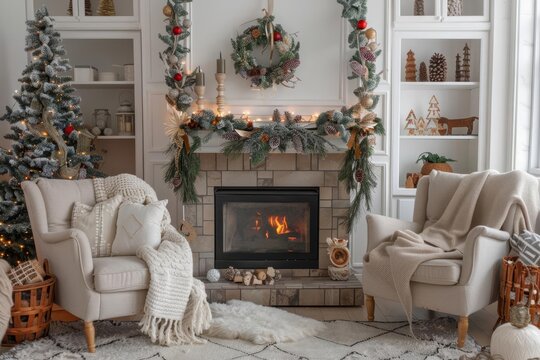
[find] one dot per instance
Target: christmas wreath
(272, 38)
(357, 125)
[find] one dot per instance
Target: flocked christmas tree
(44, 132)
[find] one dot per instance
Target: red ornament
(178, 77)
(277, 36)
(69, 129)
(177, 30)
(362, 24)
(249, 125)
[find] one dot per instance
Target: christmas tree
(44, 135)
(410, 67)
(410, 123)
(434, 114)
(466, 65)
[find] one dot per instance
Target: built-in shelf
(103, 84)
(449, 85)
(116, 137)
(445, 137)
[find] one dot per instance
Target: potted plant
(434, 162)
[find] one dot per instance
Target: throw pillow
(527, 247)
(98, 223)
(138, 225)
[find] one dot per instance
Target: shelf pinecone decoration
(87, 8)
(106, 8)
(419, 8)
(423, 76)
(437, 68)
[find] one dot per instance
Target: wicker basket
(516, 287)
(31, 311)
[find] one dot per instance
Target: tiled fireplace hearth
(301, 285)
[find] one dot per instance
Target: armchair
(89, 288)
(456, 287)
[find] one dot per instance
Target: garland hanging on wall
(357, 126)
(271, 37)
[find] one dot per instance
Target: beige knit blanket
(175, 310)
(508, 202)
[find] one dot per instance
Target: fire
(280, 224)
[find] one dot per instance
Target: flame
(280, 224)
(257, 225)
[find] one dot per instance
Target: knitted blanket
(176, 310)
(508, 202)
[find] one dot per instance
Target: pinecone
(229, 273)
(423, 76)
(274, 142)
(298, 118)
(455, 7)
(276, 117)
(418, 7)
(291, 64)
(330, 128)
(359, 176)
(232, 136)
(367, 54)
(437, 68)
(358, 68)
(297, 143)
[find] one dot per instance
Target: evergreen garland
(357, 125)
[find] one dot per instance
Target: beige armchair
(90, 288)
(456, 287)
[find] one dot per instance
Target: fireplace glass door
(258, 227)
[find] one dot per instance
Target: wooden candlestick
(220, 99)
(200, 90)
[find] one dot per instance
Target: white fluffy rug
(345, 340)
(259, 324)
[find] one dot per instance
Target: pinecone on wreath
(437, 68)
(297, 143)
(274, 142)
(330, 129)
(359, 176)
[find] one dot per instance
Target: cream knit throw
(508, 202)
(176, 310)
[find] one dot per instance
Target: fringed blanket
(508, 202)
(176, 310)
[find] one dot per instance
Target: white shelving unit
(425, 35)
(105, 42)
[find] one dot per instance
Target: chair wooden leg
(90, 334)
(370, 306)
(463, 328)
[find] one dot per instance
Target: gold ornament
(371, 34)
(367, 101)
(168, 10)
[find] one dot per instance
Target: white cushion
(138, 225)
(438, 272)
(120, 273)
(98, 222)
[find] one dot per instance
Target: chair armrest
(382, 228)
(484, 249)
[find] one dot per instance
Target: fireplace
(256, 227)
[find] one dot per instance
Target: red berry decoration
(277, 36)
(362, 24)
(178, 77)
(177, 30)
(69, 129)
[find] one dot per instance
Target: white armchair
(456, 287)
(90, 288)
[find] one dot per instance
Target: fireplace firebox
(256, 227)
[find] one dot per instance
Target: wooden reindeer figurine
(458, 123)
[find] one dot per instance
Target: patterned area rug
(340, 340)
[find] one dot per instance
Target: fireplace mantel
(216, 142)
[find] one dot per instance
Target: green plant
(433, 158)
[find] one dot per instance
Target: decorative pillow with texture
(98, 223)
(527, 247)
(138, 225)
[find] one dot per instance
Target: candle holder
(200, 90)
(220, 99)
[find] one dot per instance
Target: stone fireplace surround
(279, 170)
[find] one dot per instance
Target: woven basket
(31, 311)
(516, 287)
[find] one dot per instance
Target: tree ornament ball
(178, 77)
(69, 129)
(362, 24)
(367, 101)
(168, 10)
(277, 36)
(371, 34)
(174, 93)
(177, 30)
(213, 275)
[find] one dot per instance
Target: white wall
(13, 58)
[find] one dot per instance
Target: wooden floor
(480, 324)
